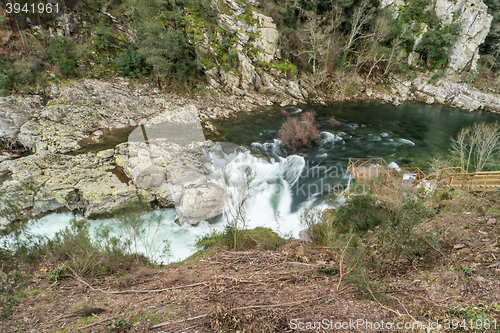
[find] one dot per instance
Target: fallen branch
(138, 291)
(238, 308)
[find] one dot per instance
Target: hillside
(288, 49)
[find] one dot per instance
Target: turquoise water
(280, 184)
(369, 129)
(407, 135)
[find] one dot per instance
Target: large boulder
(170, 170)
(43, 183)
(15, 111)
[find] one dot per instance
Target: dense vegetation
(160, 41)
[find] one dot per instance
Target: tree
(165, 49)
(4, 80)
(131, 64)
(363, 14)
(477, 146)
(433, 47)
(154, 47)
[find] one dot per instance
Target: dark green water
(368, 129)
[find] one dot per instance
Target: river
(280, 184)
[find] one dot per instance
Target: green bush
(367, 225)
(103, 38)
(262, 238)
(4, 80)
(131, 64)
(436, 76)
(433, 48)
(60, 52)
(415, 11)
(86, 257)
(360, 214)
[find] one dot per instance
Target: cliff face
(474, 22)
(259, 65)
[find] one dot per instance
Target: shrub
(414, 11)
(4, 80)
(86, 257)
(366, 225)
(103, 38)
(360, 214)
(436, 76)
(296, 133)
(131, 64)
(433, 48)
(262, 238)
(60, 51)
(334, 122)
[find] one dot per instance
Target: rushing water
(280, 185)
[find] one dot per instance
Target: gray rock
(475, 23)
(305, 236)
(105, 154)
(43, 183)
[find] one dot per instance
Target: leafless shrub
(297, 132)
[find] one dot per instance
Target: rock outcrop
(162, 161)
(474, 21)
(258, 55)
(42, 183)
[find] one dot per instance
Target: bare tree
(476, 146)
(362, 15)
(237, 182)
(319, 34)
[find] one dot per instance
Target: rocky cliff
(474, 24)
(260, 71)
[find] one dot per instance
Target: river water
(280, 184)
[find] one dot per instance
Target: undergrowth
(258, 238)
(370, 234)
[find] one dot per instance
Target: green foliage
(436, 76)
(480, 313)
(367, 225)
(283, 66)
(4, 80)
(12, 290)
(398, 236)
(21, 74)
(433, 48)
(231, 58)
(131, 64)
(414, 11)
(262, 238)
(103, 38)
(139, 230)
(360, 214)
(167, 52)
(84, 256)
(60, 51)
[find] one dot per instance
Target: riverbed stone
(167, 169)
(44, 182)
(105, 154)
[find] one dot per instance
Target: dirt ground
(275, 291)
